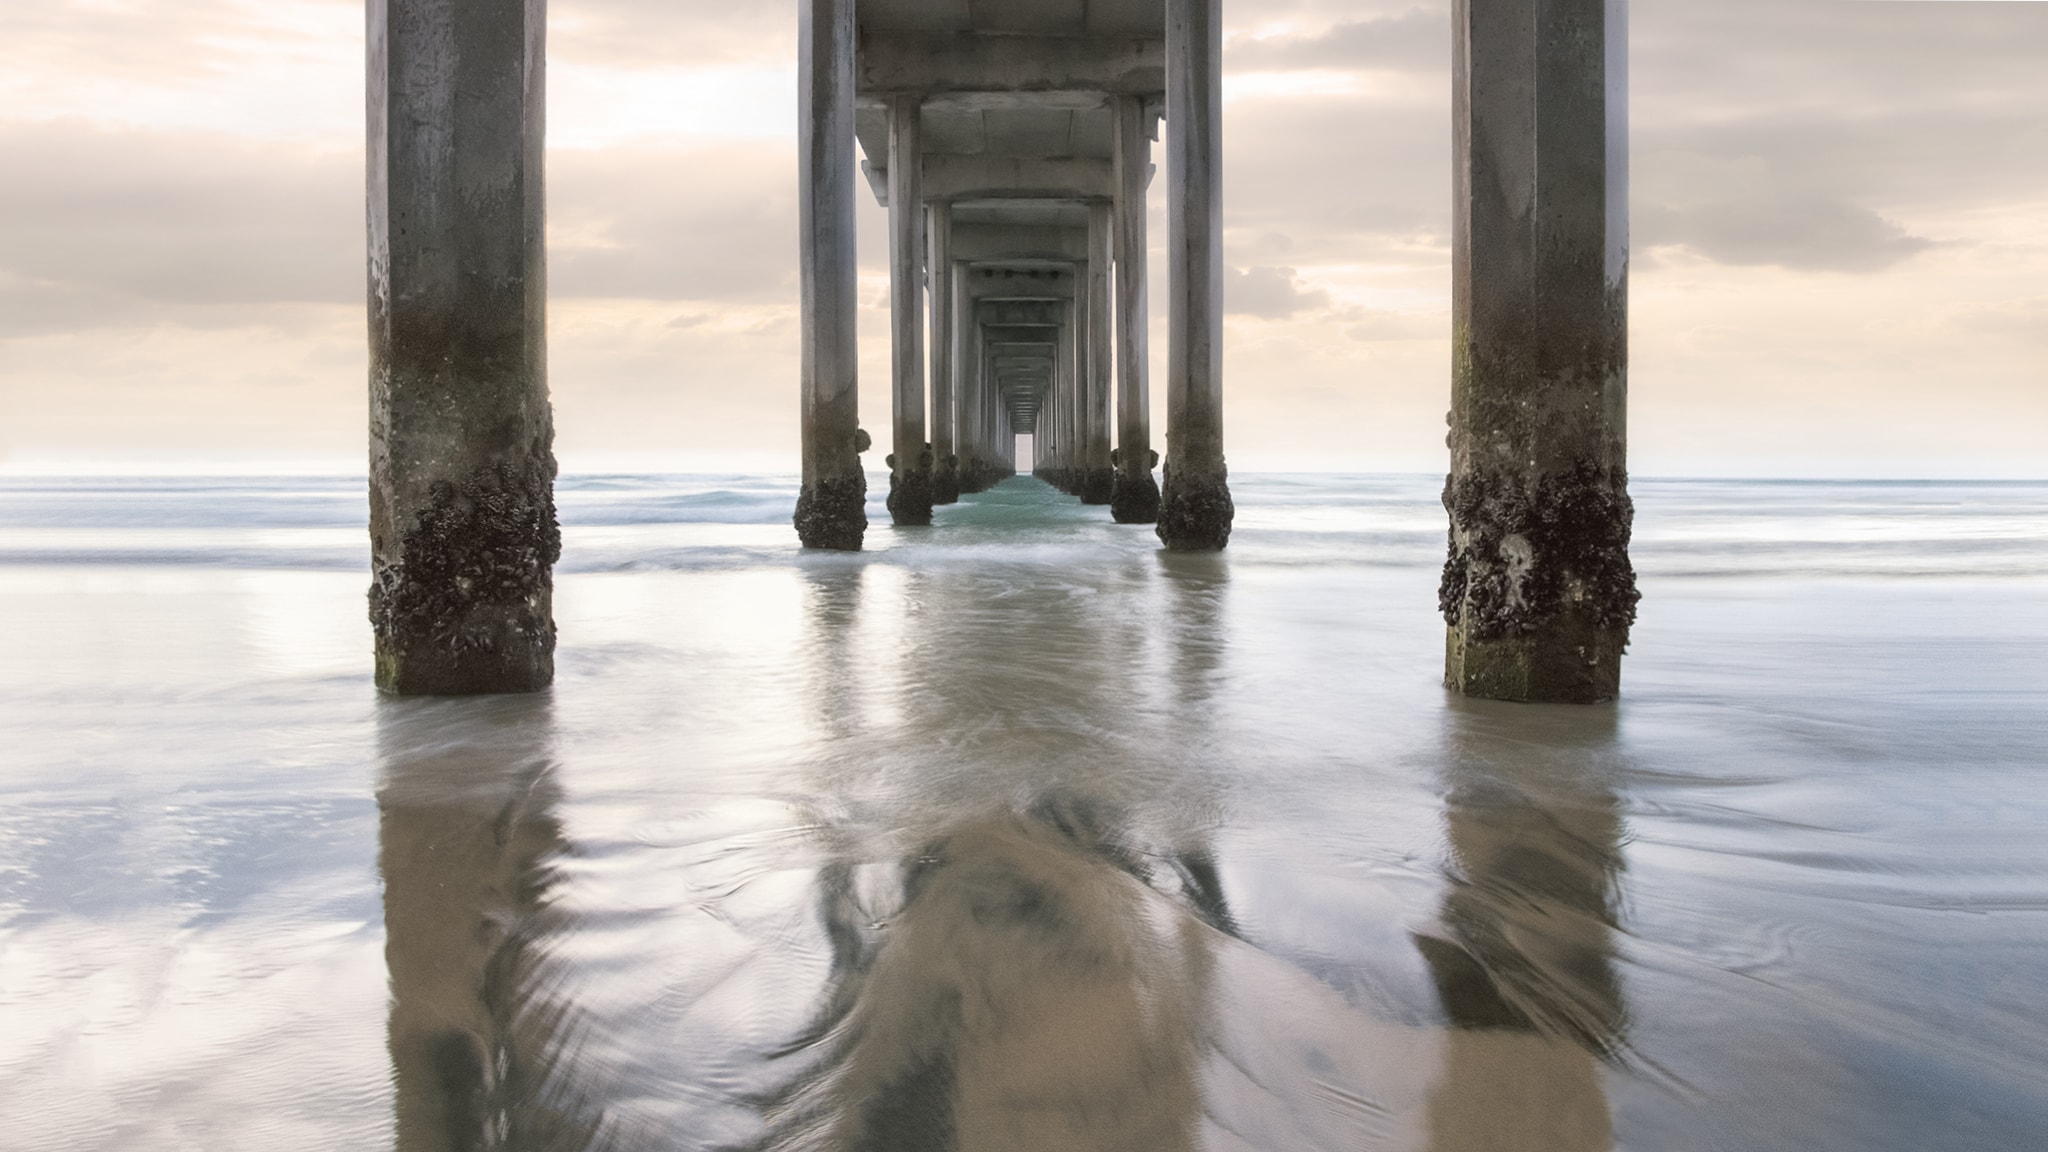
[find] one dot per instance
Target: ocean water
(1019, 833)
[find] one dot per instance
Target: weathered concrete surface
(993, 243)
(1004, 177)
(831, 508)
(1097, 476)
(1060, 402)
(971, 395)
(910, 456)
(933, 63)
(462, 516)
(945, 351)
(1134, 495)
(1538, 590)
(1021, 311)
(1195, 510)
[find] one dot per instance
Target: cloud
(1814, 234)
(102, 227)
(2025, 319)
(1372, 325)
(1343, 176)
(717, 223)
(1269, 293)
(1418, 40)
(277, 69)
(184, 204)
(668, 34)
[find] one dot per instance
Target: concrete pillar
(985, 405)
(939, 268)
(1195, 509)
(1098, 336)
(463, 537)
(1538, 590)
(910, 457)
(1006, 440)
(1047, 438)
(1062, 406)
(1077, 359)
(1006, 433)
(1134, 496)
(1077, 415)
(831, 509)
(1047, 433)
(1002, 441)
(973, 389)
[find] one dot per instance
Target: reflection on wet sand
(1524, 963)
(1016, 807)
(1029, 969)
(832, 672)
(1038, 985)
(481, 1043)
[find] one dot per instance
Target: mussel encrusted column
(939, 273)
(1134, 495)
(970, 389)
(462, 513)
(1097, 476)
(910, 456)
(831, 507)
(1194, 504)
(1538, 590)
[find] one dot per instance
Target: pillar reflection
(1020, 910)
(1029, 981)
(1196, 588)
(1523, 960)
(832, 616)
(482, 1042)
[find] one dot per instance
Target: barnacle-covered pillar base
(831, 507)
(462, 512)
(1538, 591)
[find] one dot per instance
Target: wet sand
(1018, 833)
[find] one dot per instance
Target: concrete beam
(1012, 313)
(1002, 177)
(463, 536)
(987, 243)
(926, 63)
(985, 282)
(1195, 510)
(1538, 591)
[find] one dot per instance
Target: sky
(1839, 237)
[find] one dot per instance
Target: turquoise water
(1020, 833)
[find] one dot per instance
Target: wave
(640, 522)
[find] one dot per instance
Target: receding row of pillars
(932, 463)
(1537, 590)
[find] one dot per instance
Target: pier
(1012, 146)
